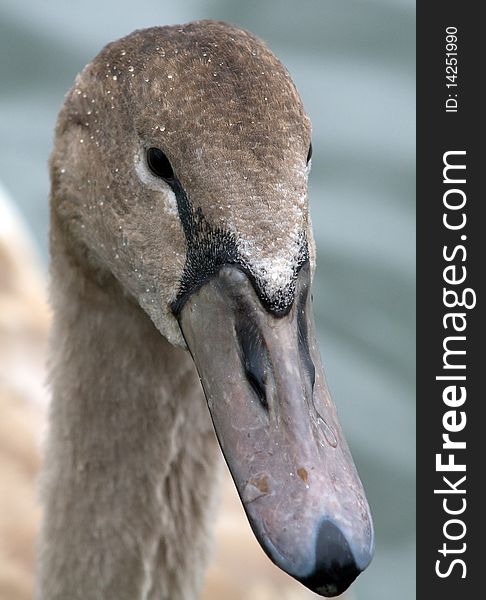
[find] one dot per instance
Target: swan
(182, 254)
(24, 322)
(23, 330)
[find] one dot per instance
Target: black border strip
(438, 132)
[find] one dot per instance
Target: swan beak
(278, 429)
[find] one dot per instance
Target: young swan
(179, 220)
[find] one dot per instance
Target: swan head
(180, 168)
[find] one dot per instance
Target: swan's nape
(179, 179)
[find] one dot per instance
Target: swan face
(217, 249)
(227, 115)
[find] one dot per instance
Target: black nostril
(257, 386)
(303, 335)
(254, 357)
(335, 566)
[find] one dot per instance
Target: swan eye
(159, 164)
(309, 154)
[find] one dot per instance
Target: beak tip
(336, 566)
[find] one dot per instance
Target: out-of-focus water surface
(354, 63)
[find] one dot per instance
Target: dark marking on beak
(254, 357)
(303, 337)
(211, 248)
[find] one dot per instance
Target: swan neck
(126, 499)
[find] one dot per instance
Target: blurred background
(354, 64)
